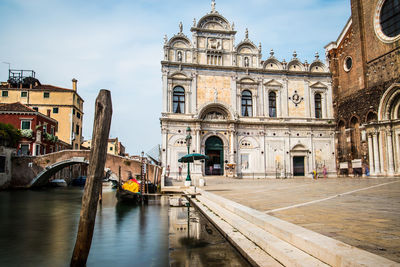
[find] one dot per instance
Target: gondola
(128, 196)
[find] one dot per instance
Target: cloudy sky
(117, 45)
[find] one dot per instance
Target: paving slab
(361, 212)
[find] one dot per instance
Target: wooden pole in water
(98, 154)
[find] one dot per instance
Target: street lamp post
(188, 181)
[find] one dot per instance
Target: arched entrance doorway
(214, 149)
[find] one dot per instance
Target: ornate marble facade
(253, 117)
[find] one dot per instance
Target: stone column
(198, 140)
(165, 91)
(187, 100)
(371, 155)
(164, 154)
(390, 152)
(376, 153)
(232, 147)
(329, 101)
(279, 100)
(261, 98)
(169, 98)
(255, 106)
(194, 93)
(323, 104)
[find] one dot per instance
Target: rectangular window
(4, 93)
(25, 125)
(2, 164)
(35, 109)
(73, 111)
(46, 94)
(55, 110)
(77, 129)
(78, 115)
(37, 149)
(24, 94)
(111, 148)
(44, 128)
(24, 149)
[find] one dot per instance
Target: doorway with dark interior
(214, 149)
(298, 166)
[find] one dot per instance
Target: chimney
(74, 82)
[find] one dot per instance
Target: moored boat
(58, 183)
(128, 196)
(129, 192)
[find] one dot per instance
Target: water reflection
(38, 228)
(198, 243)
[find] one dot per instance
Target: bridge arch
(43, 177)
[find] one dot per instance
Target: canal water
(38, 228)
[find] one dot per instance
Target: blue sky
(118, 45)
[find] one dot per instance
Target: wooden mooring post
(98, 154)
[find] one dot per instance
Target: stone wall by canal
(25, 168)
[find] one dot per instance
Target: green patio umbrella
(192, 157)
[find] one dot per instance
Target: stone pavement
(362, 212)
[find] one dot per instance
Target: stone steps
(253, 253)
(276, 252)
(326, 249)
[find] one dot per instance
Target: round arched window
(348, 63)
(390, 18)
(387, 20)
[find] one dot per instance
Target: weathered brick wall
(375, 48)
(375, 67)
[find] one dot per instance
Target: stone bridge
(35, 171)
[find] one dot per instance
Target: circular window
(348, 63)
(387, 20)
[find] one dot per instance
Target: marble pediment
(273, 83)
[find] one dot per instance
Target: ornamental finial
(213, 6)
(247, 34)
(272, 52)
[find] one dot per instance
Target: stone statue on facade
(180, 27)
(213, 6)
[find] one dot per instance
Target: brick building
(62, 104)
(38, 130)
(114, 146)
(364, 62)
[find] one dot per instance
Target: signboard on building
(356, 163)
(343, 165)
